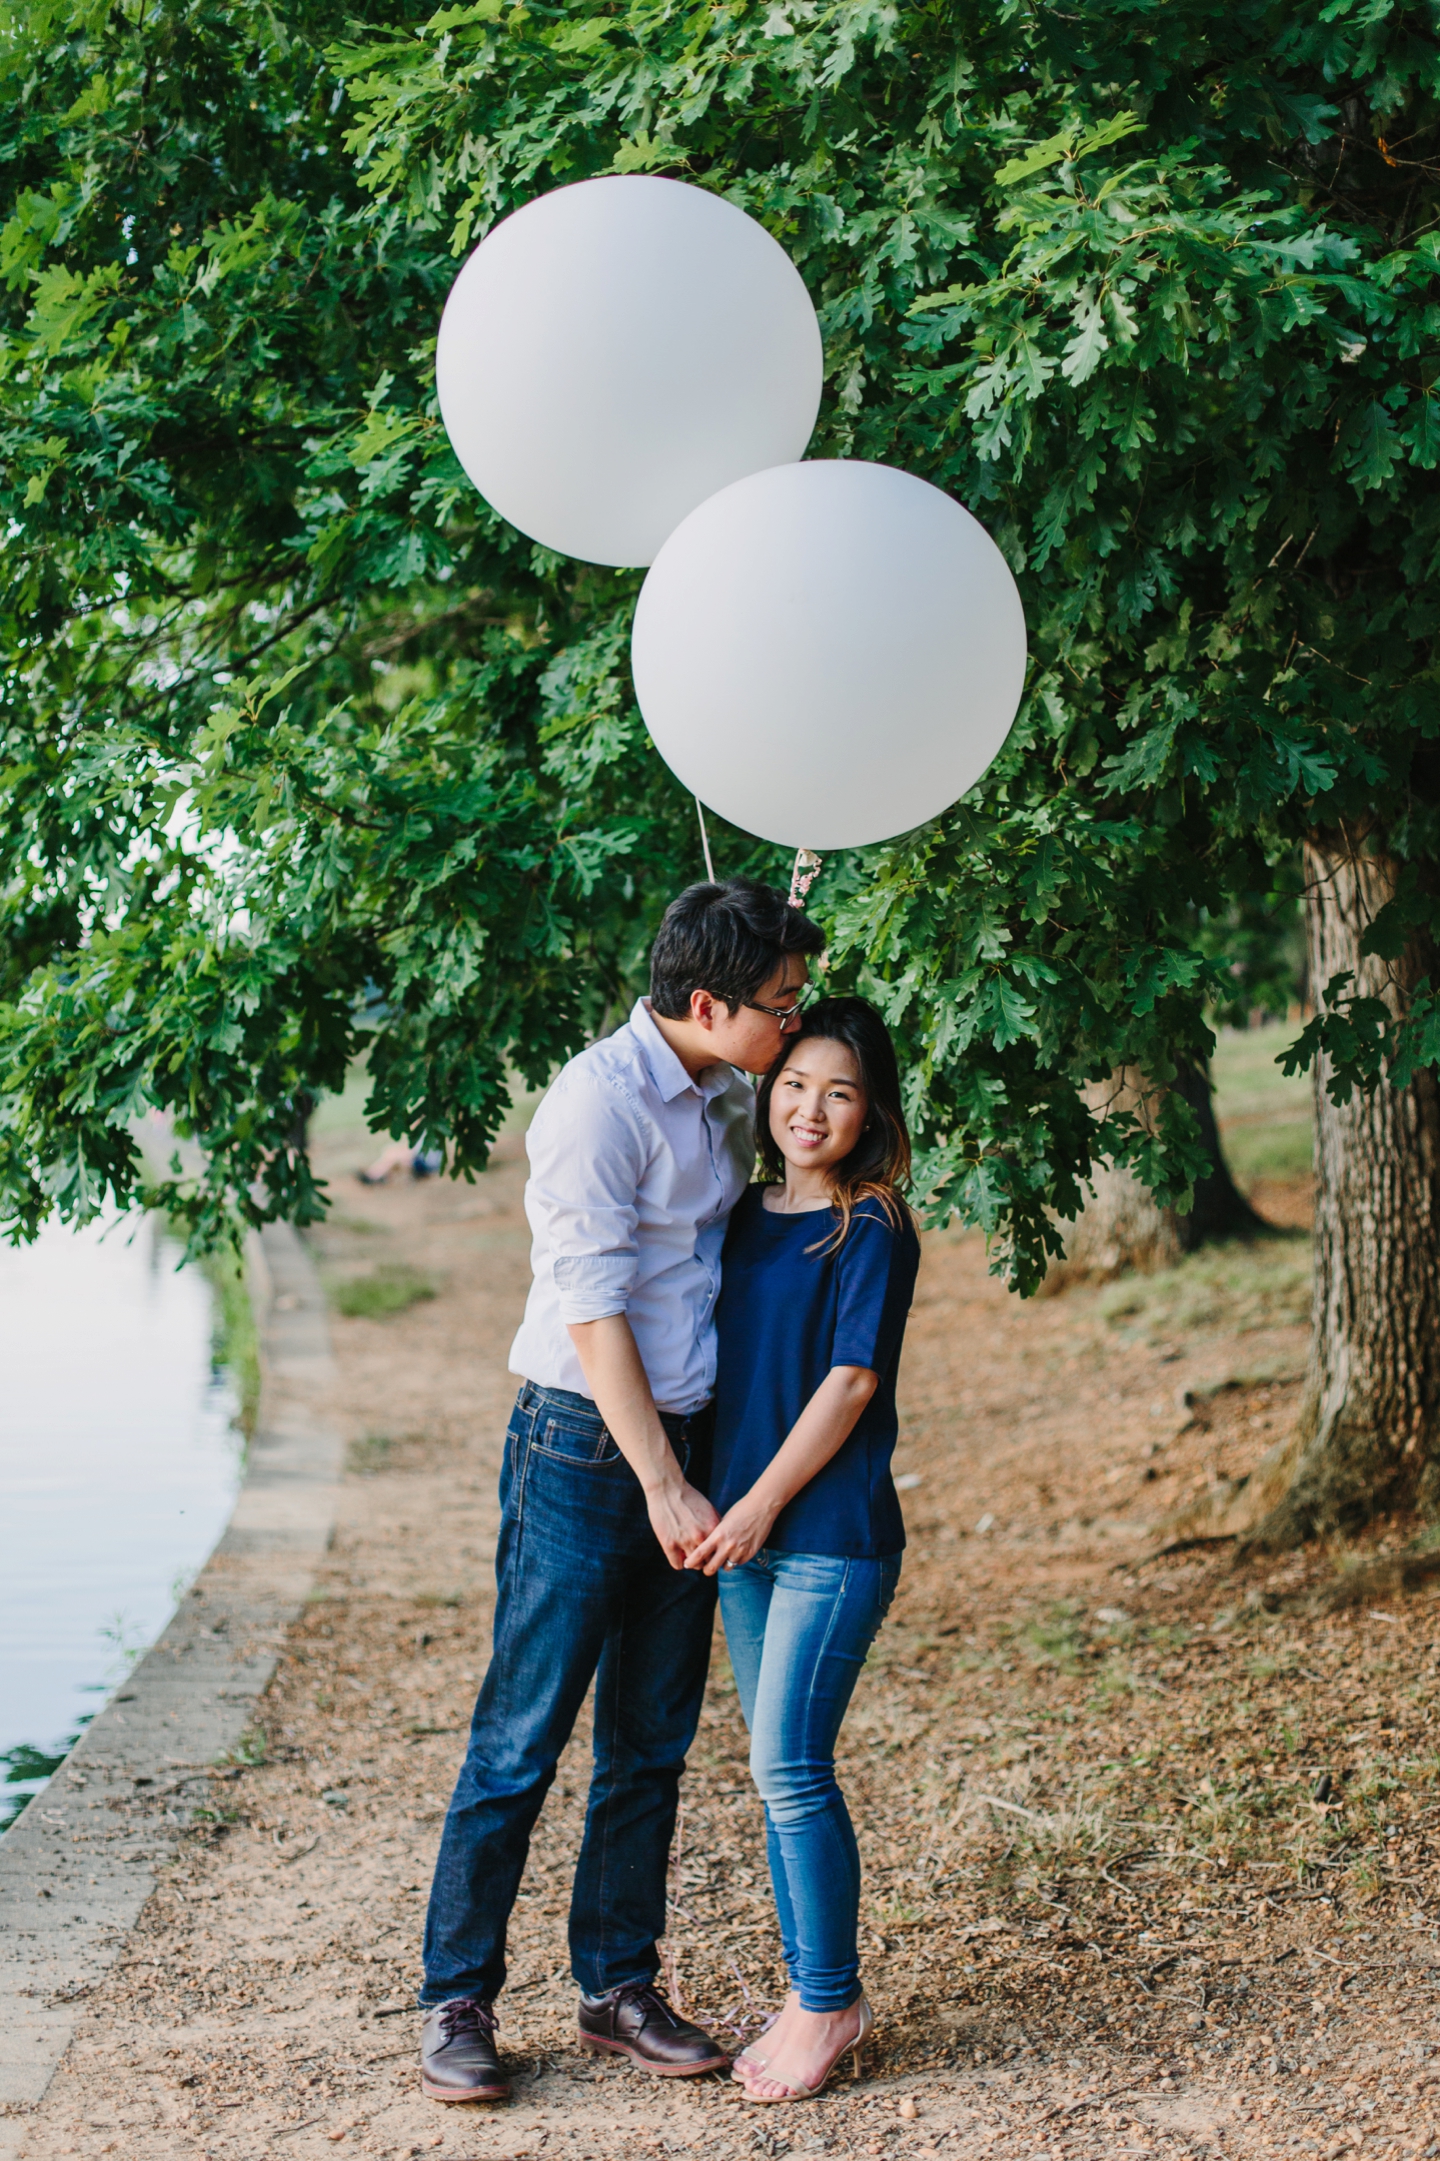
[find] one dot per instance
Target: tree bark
(1369, 1427)
(1121, 1227)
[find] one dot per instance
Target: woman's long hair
(878, 1166)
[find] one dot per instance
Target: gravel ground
(1149, 1846)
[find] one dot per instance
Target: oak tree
(305, 750)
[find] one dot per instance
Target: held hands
(821, 1429)
(737, 1537)
(680, 1517)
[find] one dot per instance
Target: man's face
(749, 1038)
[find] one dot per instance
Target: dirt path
(1149, 1867)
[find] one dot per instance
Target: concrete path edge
(79, 1865)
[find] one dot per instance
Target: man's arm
(680, 1516)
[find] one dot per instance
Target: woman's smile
(817, 1114)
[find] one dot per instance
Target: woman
(819, 1270)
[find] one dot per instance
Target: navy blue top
(785, 1317)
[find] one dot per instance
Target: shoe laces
(647, 1998)
(468, 2014)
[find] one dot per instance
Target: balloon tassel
(806, 871)
(704, 841)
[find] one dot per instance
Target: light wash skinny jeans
(799, 1626)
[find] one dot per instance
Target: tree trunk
(1220, 1209)
(1121, 1227)
(1370, 1419)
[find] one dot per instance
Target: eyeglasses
(782, 1013)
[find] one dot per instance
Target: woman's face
(817, 1106)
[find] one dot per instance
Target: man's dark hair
(728, 939)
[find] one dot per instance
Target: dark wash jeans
(584, 1593)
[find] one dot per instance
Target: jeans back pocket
(583, 1442)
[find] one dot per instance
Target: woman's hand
(822, 1428)
(737, 1537)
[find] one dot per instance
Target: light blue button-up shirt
(634, 1169)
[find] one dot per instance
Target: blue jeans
(799, 1626)
(585, 1592)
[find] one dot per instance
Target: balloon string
(806, 871)
(705, 841)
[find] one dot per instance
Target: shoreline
(79, 1864)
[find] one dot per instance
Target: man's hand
(681, 1518)
(679, 1515)
(737, 1537)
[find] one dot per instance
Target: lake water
(119, 1464)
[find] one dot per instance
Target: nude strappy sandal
(745, 2056)
(854, 2046)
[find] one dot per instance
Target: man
(637, 1155)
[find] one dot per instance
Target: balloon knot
(806, 871)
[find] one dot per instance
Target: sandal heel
(867, 2022)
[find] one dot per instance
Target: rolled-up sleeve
(587, 1153)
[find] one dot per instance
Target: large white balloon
(829, 654)
(618, 350)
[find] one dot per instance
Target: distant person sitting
(399, 1156)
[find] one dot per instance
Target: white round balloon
(829, 654)
(618, 350)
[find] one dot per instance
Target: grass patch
(1266, 1120)
(250, 1751)
(1247, 1076)
(391, 1289)
(1282, 1150)
(1117, 1677)
(1057, 1638)
(1231, 1288)
(1032, 1831)
(371, 1453)
(234, 1338)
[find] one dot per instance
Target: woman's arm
(822, 1428)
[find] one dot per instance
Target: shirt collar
(666, 1070)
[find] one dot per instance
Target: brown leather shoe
(458, 2059)
(637, 2022)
